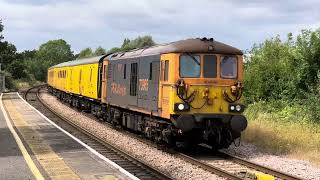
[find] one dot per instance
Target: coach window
(209, 66)
(228, 67)
(189, 66)
(166, 70)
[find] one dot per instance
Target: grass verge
(287, 130)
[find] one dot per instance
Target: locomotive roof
(90, 60)
(188, 46)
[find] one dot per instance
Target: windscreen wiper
(193, 58)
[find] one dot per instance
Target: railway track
(225, 165)
(123, 159)
(233, 167)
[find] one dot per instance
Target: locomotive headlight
(238, 108)
(181, 107)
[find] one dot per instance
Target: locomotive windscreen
(228, 67)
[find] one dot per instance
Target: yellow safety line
(51, 162)
(35, 171)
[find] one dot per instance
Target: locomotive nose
(238, 123)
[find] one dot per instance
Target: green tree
(99, 51)
(50, 53)
(87, 52)
(126, 41)
(1, 29)
(114, 50)
(27, 54)
(137, 43)
(54, 52)
(272, 71)
(8, 53)
(308, 46)
(285, 70)
(18, 69)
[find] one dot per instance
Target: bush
(286, 71)
(282, 90)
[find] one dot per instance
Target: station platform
(32, 147)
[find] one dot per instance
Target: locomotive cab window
(165, 70)
(190, 66)
(228, 67)
(209, 66)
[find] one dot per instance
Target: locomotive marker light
(238, 108)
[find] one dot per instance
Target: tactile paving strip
(52, 163)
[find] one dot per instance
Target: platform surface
(54, 154)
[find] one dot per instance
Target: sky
(93, 23)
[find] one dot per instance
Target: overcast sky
(92, 23)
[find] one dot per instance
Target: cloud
(98, 22)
